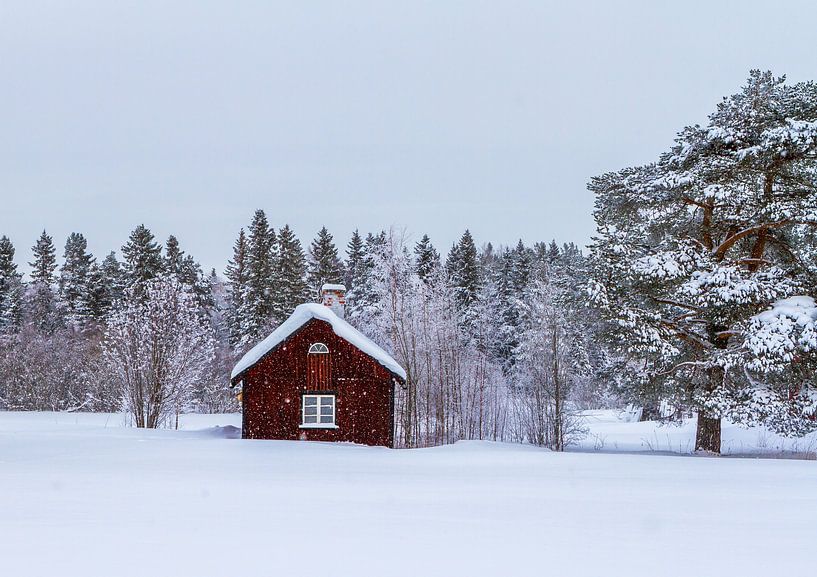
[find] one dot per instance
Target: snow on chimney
(334, 297)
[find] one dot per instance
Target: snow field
(82, 495)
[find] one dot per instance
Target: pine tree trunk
(708, 433)
(650, 412)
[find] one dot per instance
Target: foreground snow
(82, 495)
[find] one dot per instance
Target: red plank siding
(364, 390)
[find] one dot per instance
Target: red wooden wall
(363, 388)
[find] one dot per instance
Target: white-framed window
(318, 348)
(318, 412)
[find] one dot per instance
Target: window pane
(310, 401)
(327, 410)
(313, 419)
(327, 401)
(327, 419)
(318, 348)
(310, 410)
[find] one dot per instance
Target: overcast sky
(433, 116)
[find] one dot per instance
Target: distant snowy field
(82, 495)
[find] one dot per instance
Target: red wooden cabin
(317, 378)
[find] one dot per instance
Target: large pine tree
(691, 248)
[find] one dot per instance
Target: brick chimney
(334, 297)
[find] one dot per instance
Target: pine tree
(11, 290)
(691, 248)
(143, 258)
(324, 264)
(42, 303)
(261, 275)
(75, 289)
(427, 259)
(292, 288)
(354, 261)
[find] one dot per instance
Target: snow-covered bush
(159, 346)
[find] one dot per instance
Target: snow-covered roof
(303, 314)
(333, 287)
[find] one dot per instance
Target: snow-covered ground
(614, 431)
(81, 495)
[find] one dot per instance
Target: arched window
(318, 348)
(318, 367)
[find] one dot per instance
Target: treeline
(496, 340)
(52, 328)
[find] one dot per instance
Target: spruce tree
(363, 296)
(184, 268)
(324, 264)
(75, 280)
(259, 299)
(354, 261)
(143, 258)
(521, 267)
(11, 289)
(99, 299)
(292, 288)
(236, 274)
(45, 260)
(504, 298)
(113, 282)
(174, 256)
(42, 302)
(463, 271)
(553, 251)
(426, 258)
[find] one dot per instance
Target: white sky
(433, 116)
